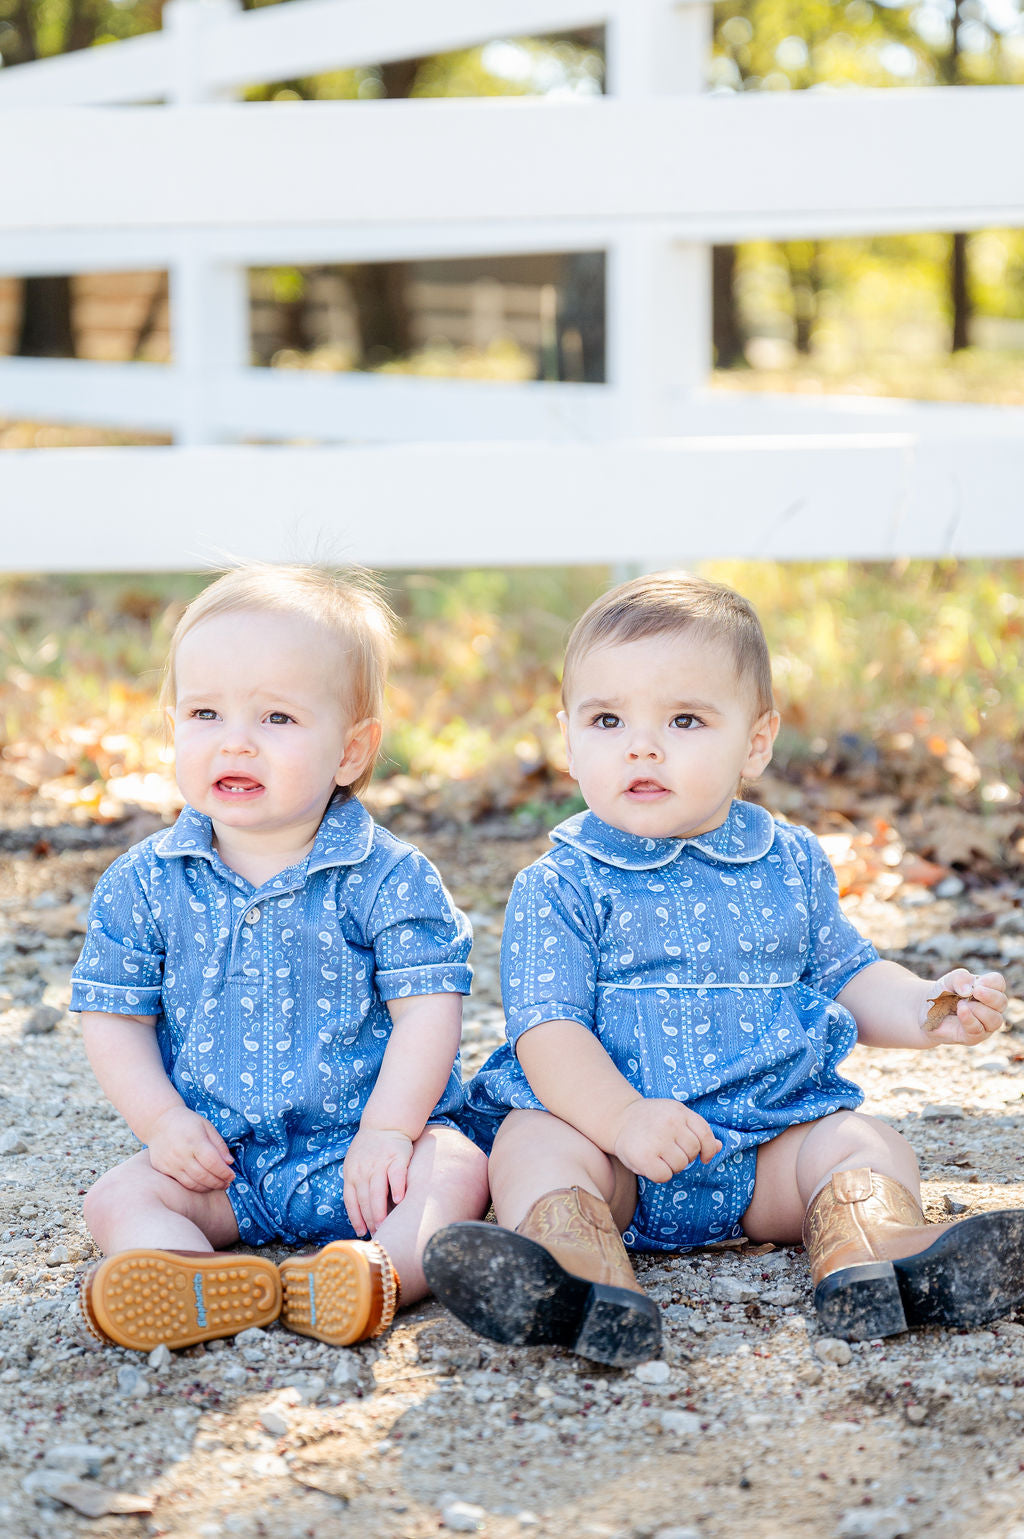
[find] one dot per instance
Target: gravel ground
(752, 1423)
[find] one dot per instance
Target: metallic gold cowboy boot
(148, 1298)
(563, 1277)
(341, 1294)
(879, 1267)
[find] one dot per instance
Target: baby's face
(261, 733)
(660, 732)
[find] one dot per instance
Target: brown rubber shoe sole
(341, 1294)
(148, 1298)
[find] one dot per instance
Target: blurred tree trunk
(380, 290)
(959, 271)
(45, 329)
(727, 330)
(581, 318)
(959, 293)
(803, 262)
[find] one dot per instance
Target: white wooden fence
(435, 472)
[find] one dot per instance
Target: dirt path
(752, 1425)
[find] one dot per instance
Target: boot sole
(972, 1273)
(512, 1290)
(329, 1295)
(149, 1298)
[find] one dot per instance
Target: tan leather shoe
(563, 1277)
(149, 1298)
(880, 1267)
(341, 1294)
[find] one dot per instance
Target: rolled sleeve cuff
(113, 999)
(521, 1020)
(834, 980)
(439, 978)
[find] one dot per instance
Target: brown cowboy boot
(341, 1294)
(563, 1277)
(148, 1298)
(879, 1267)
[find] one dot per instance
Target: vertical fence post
(209, 301)
(658, 290)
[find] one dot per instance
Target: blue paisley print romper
(708, 969)
(270, 1002)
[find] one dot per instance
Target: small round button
(252, 916)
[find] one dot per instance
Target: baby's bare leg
(134, 1205)
(535, 1153)
(792, 1168)
(446, 1182)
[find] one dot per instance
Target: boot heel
(618, 1327)
(859, 1303)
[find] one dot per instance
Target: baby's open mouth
(237, 785)
(645, 788)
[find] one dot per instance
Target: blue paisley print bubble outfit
(271, 1001)
(708, 968)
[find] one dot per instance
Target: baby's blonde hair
(667, 603)
(348, 606)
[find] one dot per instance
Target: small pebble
(42, 1020)
(252, 1336)
(160, 1357)
(916, 1414)
(680, 1423)
(274, 1422)
(831, 1350)
(58, 1256)
(12, 1142)
(654, 1372)
(935, 1113)
(952, 1206)
(949, 887)
(676, 1533)
(463, 1517)
(733, 1290)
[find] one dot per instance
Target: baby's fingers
(354, 1211)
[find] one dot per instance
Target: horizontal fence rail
(769, 166)
(868, 497)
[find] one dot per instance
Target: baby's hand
(657, 1138)
(978, 1013)
(376, 1163)
(184, 1145)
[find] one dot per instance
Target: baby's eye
(685, 721)
(279, 718)
(203, 713)
(606, 719)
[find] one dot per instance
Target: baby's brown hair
(668, 603)
(347, 606)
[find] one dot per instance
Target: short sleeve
(121, 966)
(837, 951)
(420, 940)
(549, 953)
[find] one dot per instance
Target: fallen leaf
(943, 1004)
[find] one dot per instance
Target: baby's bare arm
(570, 1072)
(891, 1006)
(424, 1040)
(126, 1060)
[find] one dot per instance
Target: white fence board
(383, 408)
(278, 43)
(906, 160)
(871, 497)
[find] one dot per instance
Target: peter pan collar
(343, 838)
(747, 834)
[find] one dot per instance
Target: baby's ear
(361, 747)
(762, 741)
